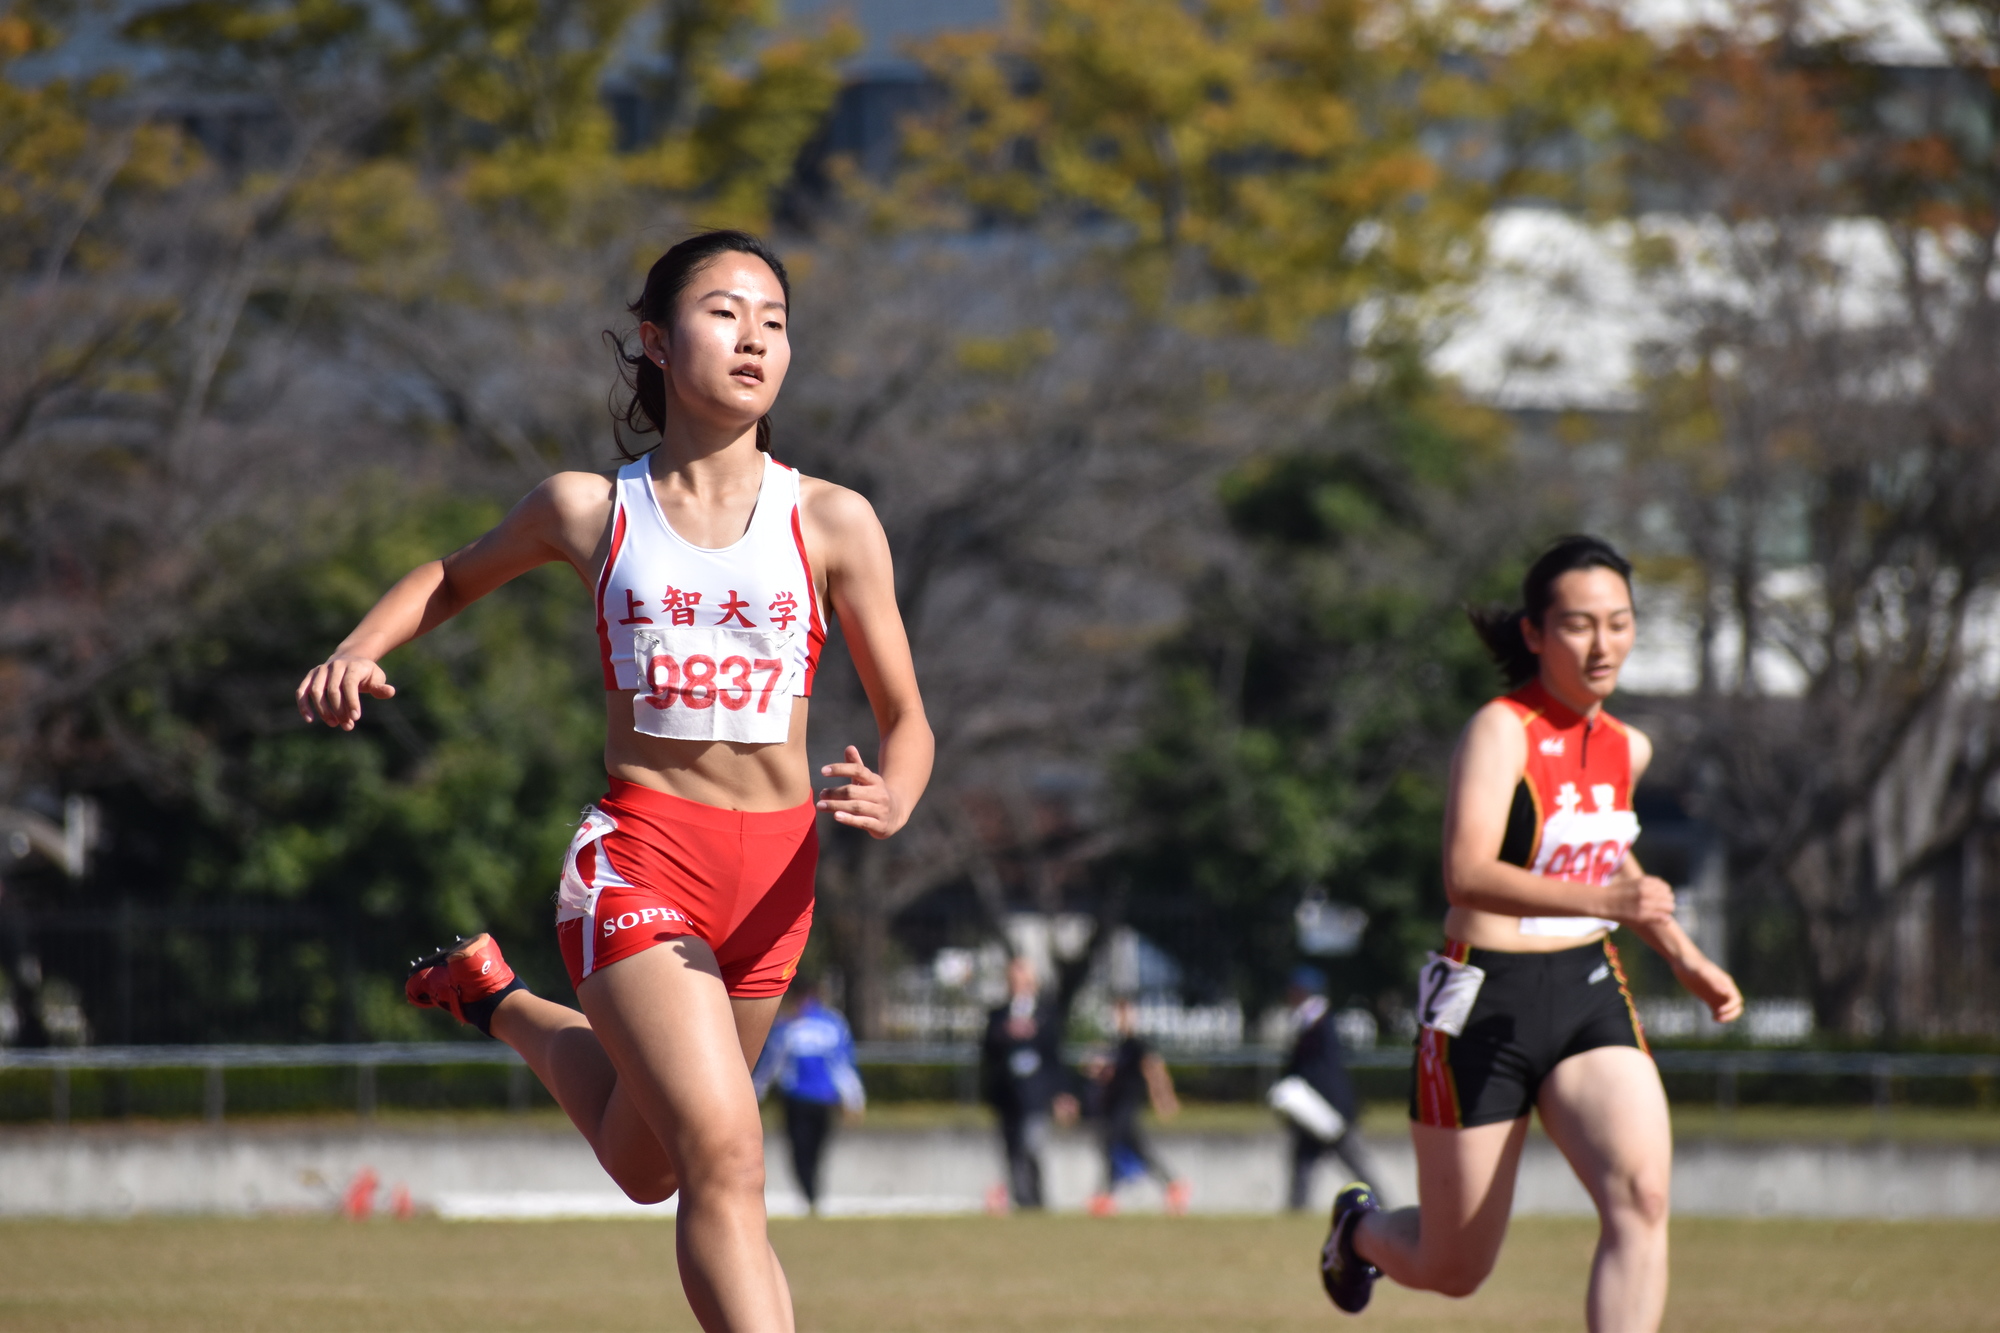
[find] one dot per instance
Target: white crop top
(725, 637)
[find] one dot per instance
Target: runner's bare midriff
(717, 773)
(1498, 931)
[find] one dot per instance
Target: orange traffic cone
(359, 1202)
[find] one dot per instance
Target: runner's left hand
(865, 802)
(1714, 988)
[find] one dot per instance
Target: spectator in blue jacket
(810, 1057)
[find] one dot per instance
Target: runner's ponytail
(645, 410)
(1500, 630)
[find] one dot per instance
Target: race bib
(713, 684)
(1446, 991)
(1585, 846)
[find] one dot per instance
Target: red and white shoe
(1178, 1194)
(467, 980)
(1102, 1205)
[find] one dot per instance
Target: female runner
(1527, 1007)
(687, 892)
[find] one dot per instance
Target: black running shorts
(1533, 1011)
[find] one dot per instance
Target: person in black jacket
(1313, 1083)
(1023, 1079)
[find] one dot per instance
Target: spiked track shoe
(1349, 1279)
(467, 979)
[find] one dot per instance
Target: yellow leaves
(1246, 138)
(62, 150)
(555, 187)
(521, 70)
(499, 104)
(744, 146)
(161, 158)
(297, 32)
(1269, 164)
(17, 37)
(376, 211)
(668, 166)
(1007, 356)
(530, 75)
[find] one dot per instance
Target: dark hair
(646, 410)
(1500, 630)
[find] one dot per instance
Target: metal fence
(1727, 1067)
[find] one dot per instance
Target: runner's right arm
(554, 522)
(1491, 757)
(1702, 977)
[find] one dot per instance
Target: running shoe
(1102, 1205)
(1349, 1279)
(467, 979)
(1178, 1194)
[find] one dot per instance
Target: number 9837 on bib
(713, 684)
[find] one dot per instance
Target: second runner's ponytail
(1500, 630)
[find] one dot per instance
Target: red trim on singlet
(603, 582)
(816, 632)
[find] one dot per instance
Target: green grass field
(965, 1275)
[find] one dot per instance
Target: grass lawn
(966, 1275)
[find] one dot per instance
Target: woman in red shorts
(1526, 1008)
(687, 892)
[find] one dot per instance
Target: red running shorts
(645, 868)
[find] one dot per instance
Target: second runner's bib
(1572, 817)
(1446, 991)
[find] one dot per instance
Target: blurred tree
(1044, 458)
(503, 104)
(1273, 165)
(1299, 738)
(1316, 172)
(199, 350)
(444, 814)
(63, 148)
(77, 164)
(1820, 437)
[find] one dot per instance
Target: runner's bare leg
(1465, 1192)
(559, 1046)
(670, 1031)
(1608, 1113)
